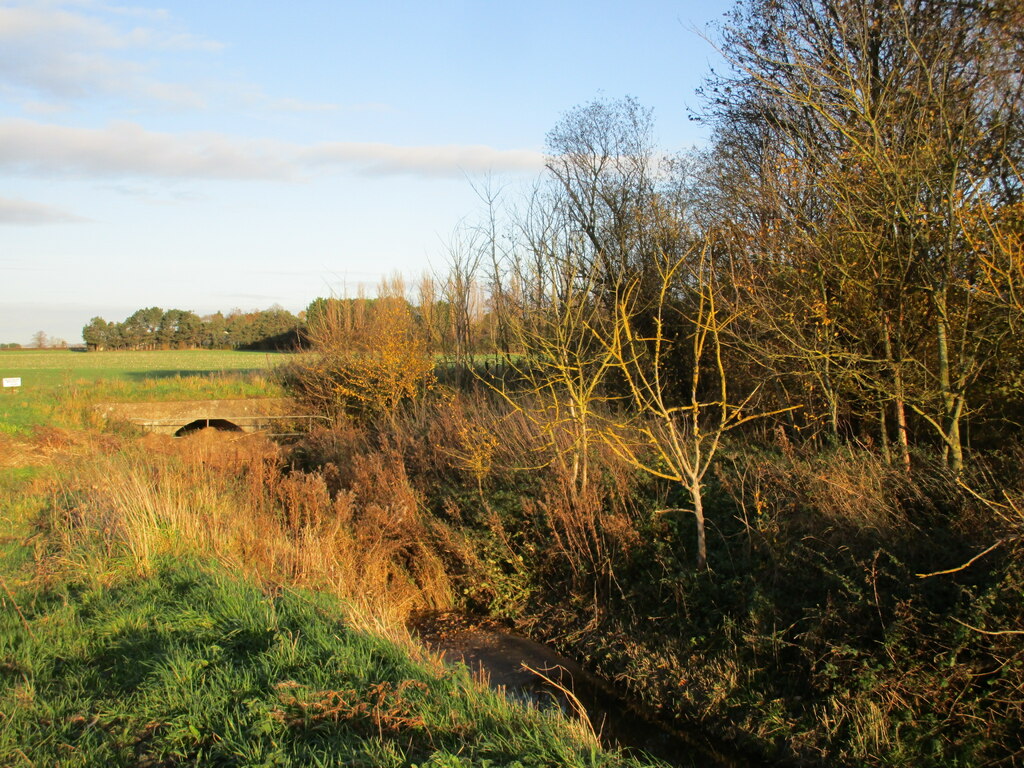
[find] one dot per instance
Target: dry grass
(848, 491)
(41, 445)
(230, 497)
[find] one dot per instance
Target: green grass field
(56, 384)
(50, 367)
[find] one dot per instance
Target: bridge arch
(222, 425)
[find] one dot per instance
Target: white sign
(12, 382)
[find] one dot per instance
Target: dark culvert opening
(222, 425)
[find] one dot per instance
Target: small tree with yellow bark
(667, 428)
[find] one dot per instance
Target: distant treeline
(155, 328)
(452, 317)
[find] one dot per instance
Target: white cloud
(252, 96)
(258, 98)
(24, 212)
(128, 150)
(296, 105)
(75, 50)
(433, 161)
(59, 53)
(152, 194)
(39, 24)
(43, 108)
(373, 106)
(49, 23)
(153, 14)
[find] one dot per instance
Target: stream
(532, 671)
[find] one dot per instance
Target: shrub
(365, 371)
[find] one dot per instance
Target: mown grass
(188, 665)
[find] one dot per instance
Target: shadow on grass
(184, 374)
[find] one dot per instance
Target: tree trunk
(698, 515)
(899, 407)
(901, 424)
(952, 453)
(883, 434)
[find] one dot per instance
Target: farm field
(60, 366)
(56, 384)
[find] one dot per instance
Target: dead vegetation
(235, 499)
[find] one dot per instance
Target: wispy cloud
(297, 105)
(24, 212)
(152, 194)
(372, 106)
(249, 95)
(128, 150)
(68, 51)
(452, 160)
(133, 11)
(43, 108)
(74, 52)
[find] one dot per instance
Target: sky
(211, 155)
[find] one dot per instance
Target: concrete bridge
(184, 416)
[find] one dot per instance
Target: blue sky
(209, 155)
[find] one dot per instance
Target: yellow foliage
(372, 367)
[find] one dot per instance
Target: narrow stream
(535, 672)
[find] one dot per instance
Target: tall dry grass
(232, 498)
(846, 492)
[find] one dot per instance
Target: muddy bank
(536, 673)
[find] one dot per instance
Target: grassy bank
(187, 665)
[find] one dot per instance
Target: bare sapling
(665, 432)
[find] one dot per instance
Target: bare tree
(460, 292)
